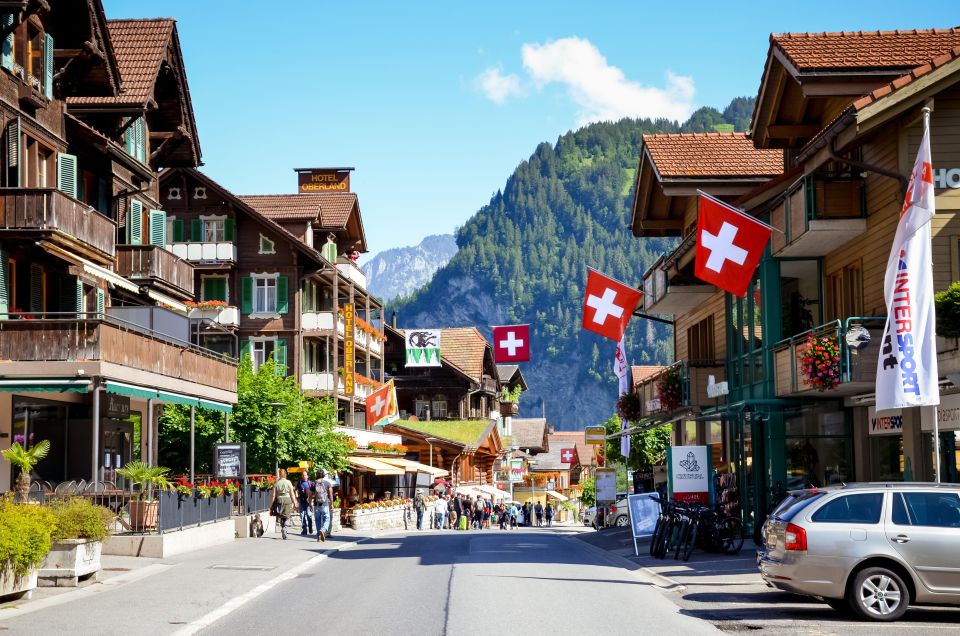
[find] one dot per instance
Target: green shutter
(6, 59)
(36, 288)
(196, 231)
(245, 349)
(246, 295)
(101, 301)
(67, 174)
(158, 227)
(222, 289)
(141, 140)
(215, 288)
(228, 230)
(48, 66)
(135, 222)
(4, 286)
(283, 304)
(104, 195)
(13, 153)
(129, 138)
(178, 230)
(78, 299)
(280, 356)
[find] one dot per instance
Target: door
(924, 529)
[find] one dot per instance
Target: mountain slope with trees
(523, 258)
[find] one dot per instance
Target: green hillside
(523, 258)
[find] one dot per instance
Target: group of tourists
(464, 512)
(311, 498)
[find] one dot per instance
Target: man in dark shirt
(303, 497)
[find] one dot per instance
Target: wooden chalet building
(844, 109)
(92, 317)
(274, 270)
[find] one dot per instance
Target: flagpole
(936, 409)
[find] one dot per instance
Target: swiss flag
(381, 405)
(511, 343)
(608, 305)
(729, 246)
(567, 455)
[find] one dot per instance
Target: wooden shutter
(246, 349)
(101, 301)
(246, 295)
(79, 298)
(280, 356)
(178, 230)
(6, 59)
(141, 140)
(283, 305)
(36, 288)
(228, 230)
(48, 65)
(196, 231)
(4, 286)
(67, 174)
(130, 138)
(135, 222)
(13, 153)
(158, 227)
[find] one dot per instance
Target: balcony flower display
(821, 362)
(391, 449)
(629, 407)
(668, 390)
(183, 487)
(206, 304)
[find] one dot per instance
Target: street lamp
(430, 441)
(276, 406)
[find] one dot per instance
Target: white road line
(85, 592)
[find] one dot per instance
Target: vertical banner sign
(690, 474)
(622, 371)
(349, 360)
(423, 348)
(517, 473)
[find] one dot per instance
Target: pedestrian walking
(304, 488)
(322, 500)
(439, 508)
(548, 512)
(502, 516)
(487, 513)
(457, 510)
(538, 511)
(478, 513)
(514, 513)
(420, 506)
(284, 502)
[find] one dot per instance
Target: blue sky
(435, 103)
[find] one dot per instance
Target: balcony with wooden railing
(155, 266)
(818, 216)
(50, 214)
(669, 286)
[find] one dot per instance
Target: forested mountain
(523, 258)
(403, 270)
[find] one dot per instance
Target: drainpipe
(96, 434)
(149, 431)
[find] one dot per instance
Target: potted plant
(24, 542)
(79, 528)
(669, 390)
(629, 408)
(26, 459)
(821, 362)
(144, 509)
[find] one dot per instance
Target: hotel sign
(318, 181)
(349, 359)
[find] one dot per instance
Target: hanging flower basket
(668, 390)
(821, 362)
(629, 407)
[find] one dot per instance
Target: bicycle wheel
(663, 546)
(682, 535)
(731, 533)
(657, 531)
(690, 542)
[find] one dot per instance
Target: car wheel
(622, 520)
(879, 594)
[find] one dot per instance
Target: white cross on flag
(729, 246)
(567, 455)
(381, 405)
(511, 343)
(608, 305)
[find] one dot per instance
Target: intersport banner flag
(907, 366)
(622, 369)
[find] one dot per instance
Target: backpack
(321, 492)
(419, 503)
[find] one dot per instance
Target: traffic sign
(596, 435)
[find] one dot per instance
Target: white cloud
(497, 86)
(601, 90)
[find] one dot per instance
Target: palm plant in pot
(26, 459)
(143, 507)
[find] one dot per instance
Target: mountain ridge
(403, 270)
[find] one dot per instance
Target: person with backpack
(514, 512)
(303, 498)
(322, 499)
(420, 505)
(549, 514)
(538, 510)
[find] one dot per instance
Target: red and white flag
(907, 366)
(511, 343)
(567, 455)
(608, 305)
(729, 246)
(381, 405)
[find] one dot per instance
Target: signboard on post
(230, 460)
(689, 476)
(516, 471)
(349, 361)
(595, 435)
(644, 511)
(605, 482)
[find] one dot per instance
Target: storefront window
(799, 297)
(745, 326)
(819, 448)
(886, 457)
(949, 456)
(689, 433)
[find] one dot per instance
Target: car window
(861, 508)
(795, 502)
(930, 509)
(900, 516)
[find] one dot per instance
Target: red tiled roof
(140, 46)
(464, 347)
(908, 78)
(332, 209)
(711, 155)
(562, 439)
(878, 50)
(641, 373)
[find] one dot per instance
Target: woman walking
(283, 503)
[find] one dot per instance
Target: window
(309, 293)
(214, 288)
(260, 351)
(422, 409)
(845, 292)
(700, 340)
(265, 294)
(34, 61)
(212, 229)
(266, 245)
(314, 356)
(927, 509)
(864, 508)
(438, 409)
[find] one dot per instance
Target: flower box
(23, 586)
(69, 561)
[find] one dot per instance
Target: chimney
(393, 320)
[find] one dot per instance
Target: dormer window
(27, 52)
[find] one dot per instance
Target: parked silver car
(871, 548)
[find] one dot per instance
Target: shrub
(948, 311)
(78, 518)
(24, 535)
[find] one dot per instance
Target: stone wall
(381, 519)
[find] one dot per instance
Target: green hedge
(80, 519)
(948, 311)
(24, 535)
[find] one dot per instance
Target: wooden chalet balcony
(321, 321)
(209, 252)
(669, 286)
(354, 273)
(157, 267)
(857, 368)
(818, 216)
(105, 344)
(685, 382)
(54, 216)
(227, 316)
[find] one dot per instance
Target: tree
(26, 460)
(647, 448)
(588, 496)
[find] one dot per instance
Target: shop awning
(177, 398)
(89, 268)
(415, 467)
(471, 491)
(45, 385)
(555, 495)
(375, 466)
(167, 301)
(223, 407)
(122, 388)
(493, 491)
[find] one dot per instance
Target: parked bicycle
(682, 527)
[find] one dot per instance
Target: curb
(654, 578)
